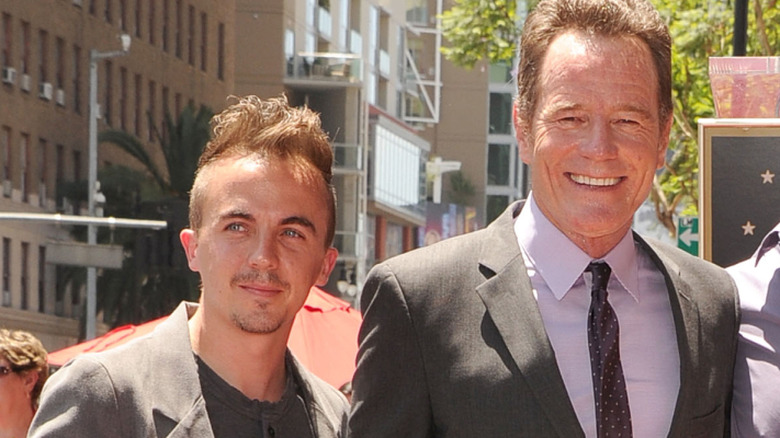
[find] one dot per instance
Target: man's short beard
(258, 320)
(250, 324)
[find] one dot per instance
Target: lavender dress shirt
(756, 404)
(637, 292)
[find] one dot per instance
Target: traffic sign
(688, 234)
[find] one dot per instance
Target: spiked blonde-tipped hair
(268, 129)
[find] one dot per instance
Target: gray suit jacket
(150, 388)
(453, 344)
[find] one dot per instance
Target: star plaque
(739, 201)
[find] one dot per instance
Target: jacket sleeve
(78, 400)
(390, 393)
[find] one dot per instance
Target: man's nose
(599, 141)
(265, 254)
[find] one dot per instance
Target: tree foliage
(700, 29)
(154, 277)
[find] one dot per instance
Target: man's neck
(252, 363)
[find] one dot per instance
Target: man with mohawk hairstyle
(262, 220)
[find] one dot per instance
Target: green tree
(699, 29)
(181, 144)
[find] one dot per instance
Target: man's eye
(235, 227)
(570, 120)
(292, 233)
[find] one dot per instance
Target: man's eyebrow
(236, 214)
(299, 220)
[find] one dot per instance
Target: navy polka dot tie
(613, 417)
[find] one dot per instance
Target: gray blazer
(453, 344)
(150, 388)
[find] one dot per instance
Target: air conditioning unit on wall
(25, 83)
(9, 75)
(59, 97)
(45, 91)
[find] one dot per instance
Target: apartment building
(469, 119)
(181, 52)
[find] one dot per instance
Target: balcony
(325, 66)
(348, 158)
(347, 242)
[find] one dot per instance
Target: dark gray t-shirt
(234, 415)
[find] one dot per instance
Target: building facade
(181, 52)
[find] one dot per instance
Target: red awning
(323, 338)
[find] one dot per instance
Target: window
(41, 279)
(5, 144)
(59, 175)
(108, 107)
(43, 170)
(166, 23)
(177, 30)
(59, 62)
(76, 165)
(496, 204)
(221, 52)
(166, 109)
(137, 116)
(43, 52)
(500, 113)
(25, 275)
(138, 18)
(6, 33)
(499, 164)
(191, 35)
(107, 13)
(123, 98)
(6, 272)
(123, 15)
(152, 116)
(152, 22)
(25, 48)
(24, 146)
(77, 79)
(176, 106)
(203, 40)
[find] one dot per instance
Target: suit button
(271, 431)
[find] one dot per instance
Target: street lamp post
(92, 184)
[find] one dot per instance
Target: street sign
(688, 234)
(80, 254)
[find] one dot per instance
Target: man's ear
(663, 141)
(189, 241)
(30, 378)
(525, 149)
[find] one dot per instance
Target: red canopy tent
(323, 338)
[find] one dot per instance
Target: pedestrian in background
(23, 371)
(756, 407)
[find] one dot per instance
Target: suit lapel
(687, 326)
(508, 297)
(178, 409)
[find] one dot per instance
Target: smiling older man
(559, 320)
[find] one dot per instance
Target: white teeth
(582, 179)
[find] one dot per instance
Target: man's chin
(257, 325)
